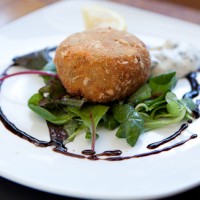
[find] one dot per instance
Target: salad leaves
(98, 111)
(162, 83)
(131, 123)
(54, 116)
(35, 60)
(152, 106)
(162, 107)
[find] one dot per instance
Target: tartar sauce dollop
(172, 56)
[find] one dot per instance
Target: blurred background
(188, 10)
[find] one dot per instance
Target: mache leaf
(140, 95)
(162, 83)
(131, 123)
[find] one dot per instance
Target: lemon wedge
(100, 17)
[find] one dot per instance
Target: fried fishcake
(102, 65)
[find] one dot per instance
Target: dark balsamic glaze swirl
(191, 77)
(11, 127)
(153, 152)
(171, 137)
(112, 155)
(57, 137)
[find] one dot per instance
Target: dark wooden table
(188, 10)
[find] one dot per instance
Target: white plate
(41, 168)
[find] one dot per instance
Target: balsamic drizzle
(153, 152)
(171, 137)
(11, 127)
(112, 155)
(88, 152)
(195, 87)
(57, 137)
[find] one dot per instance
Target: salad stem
(93, 133)
(29, 72)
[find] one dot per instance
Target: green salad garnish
(152, 106)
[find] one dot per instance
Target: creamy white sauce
(180, 57)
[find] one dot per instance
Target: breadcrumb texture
(102, 65)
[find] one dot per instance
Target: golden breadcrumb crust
(102, 65)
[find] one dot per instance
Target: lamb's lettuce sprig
(158, 105)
